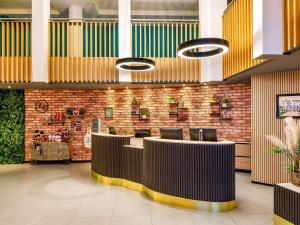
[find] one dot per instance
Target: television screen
(171, 133)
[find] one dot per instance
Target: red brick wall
(196, 99)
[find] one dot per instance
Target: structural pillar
(210, 15)
(39, 40)
(124, 36)
(267, 28)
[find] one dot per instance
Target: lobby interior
(125, 112)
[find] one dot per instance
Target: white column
(39, 40)
(124, 36)
(210, 15)
(267, 28)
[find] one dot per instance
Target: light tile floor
(54, 194)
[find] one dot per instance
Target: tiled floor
(67, 195)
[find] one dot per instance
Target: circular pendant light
(217, 47)
(135, 64)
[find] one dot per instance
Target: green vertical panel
(107, 38)
(117, 41)
(156, 40)
(112, 39)
(98, 41)
(102, 44)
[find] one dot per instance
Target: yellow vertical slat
(27, 53)
(68, 55)
(163, 52)
(172, 52)
(105, 56)
(101, 56)
(17, 51)
(88, 78)
(8, 47)
(63, 78)
(145, 49)
(77, 51)
(22, 54)
(140, 48)
(3, 52)
(109, 51)
(180, 59)
(176, 58)
(12, 78)
(154, 51)
(96, 52)
(186, 66)
(115, 51)
(58, 53)
(72, 51)
(168, 53)
(53, 52)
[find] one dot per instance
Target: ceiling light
(8, 87)
(218, 47)
(135, 64)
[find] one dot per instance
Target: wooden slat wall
(266, 167)
(237, 29)
(78, 57)
(291, 24)
(168, 67)
(15, 56)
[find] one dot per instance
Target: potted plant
(171, 99)
(290, 147)
(82, 111)
(69, 111)
(144, 113)
(225, 103)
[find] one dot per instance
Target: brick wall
(196, 99)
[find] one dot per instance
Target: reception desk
(199, 175)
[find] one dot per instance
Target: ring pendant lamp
(136, 64)
(218, 47)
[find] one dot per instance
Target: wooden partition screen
(291, 24)
(15, 51)
(237, 29)
(267, 167)
(159, 41)
(83, 51)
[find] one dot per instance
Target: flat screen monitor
(203, 134)
(171, 133)
(141, 133)
(111, 130)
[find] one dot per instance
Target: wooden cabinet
(243, 156)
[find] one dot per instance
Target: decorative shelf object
(56, 119)
(219, 108)
(144, 114)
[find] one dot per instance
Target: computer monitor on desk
(141, 133)
(171, 133)
(203, 134)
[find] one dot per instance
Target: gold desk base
(277, 220)
(168, 199)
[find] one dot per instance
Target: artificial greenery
(12, 109)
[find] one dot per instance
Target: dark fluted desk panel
(132, 160)
(287, 204)
(204, 172)
(107, 154)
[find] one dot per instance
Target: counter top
(290, 186)
(112, 135)
(133, 146)
(158, 139)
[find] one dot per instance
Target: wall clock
(41, 106)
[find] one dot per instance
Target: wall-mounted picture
(108, 112)
(288, 105)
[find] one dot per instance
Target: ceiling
(274, 64)
(109, 8)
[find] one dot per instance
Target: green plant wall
(12, 149)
